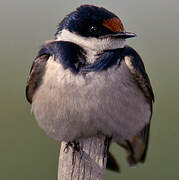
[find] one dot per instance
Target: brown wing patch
(142, 81)
(136, 147)
(35, 76)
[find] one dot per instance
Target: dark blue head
(92, 21)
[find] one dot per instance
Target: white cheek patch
(92, 43)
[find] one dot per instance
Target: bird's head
(93, 28)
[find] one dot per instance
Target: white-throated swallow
(87, 81)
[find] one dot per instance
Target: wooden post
(89, 164)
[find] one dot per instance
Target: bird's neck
(91, 55)
(92, 46)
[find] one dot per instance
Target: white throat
(93, 46)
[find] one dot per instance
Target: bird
(88, 81)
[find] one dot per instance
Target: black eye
(94, 29)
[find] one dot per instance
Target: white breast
(69, 106)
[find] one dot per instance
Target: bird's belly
(71, 106)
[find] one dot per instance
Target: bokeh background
(26, 152)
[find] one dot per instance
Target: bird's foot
(74, 145)
(75, 148)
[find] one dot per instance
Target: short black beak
(121, 35)
(124, 35)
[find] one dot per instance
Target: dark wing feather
(68, 54)
(139, 73)
(35, 76)
(137, 146)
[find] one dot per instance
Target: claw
(68, 145)
(76, 148)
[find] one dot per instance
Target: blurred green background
(26, 152)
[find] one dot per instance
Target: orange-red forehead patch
(114, 24)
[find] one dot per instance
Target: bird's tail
(112, 163)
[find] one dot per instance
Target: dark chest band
(72, 56)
